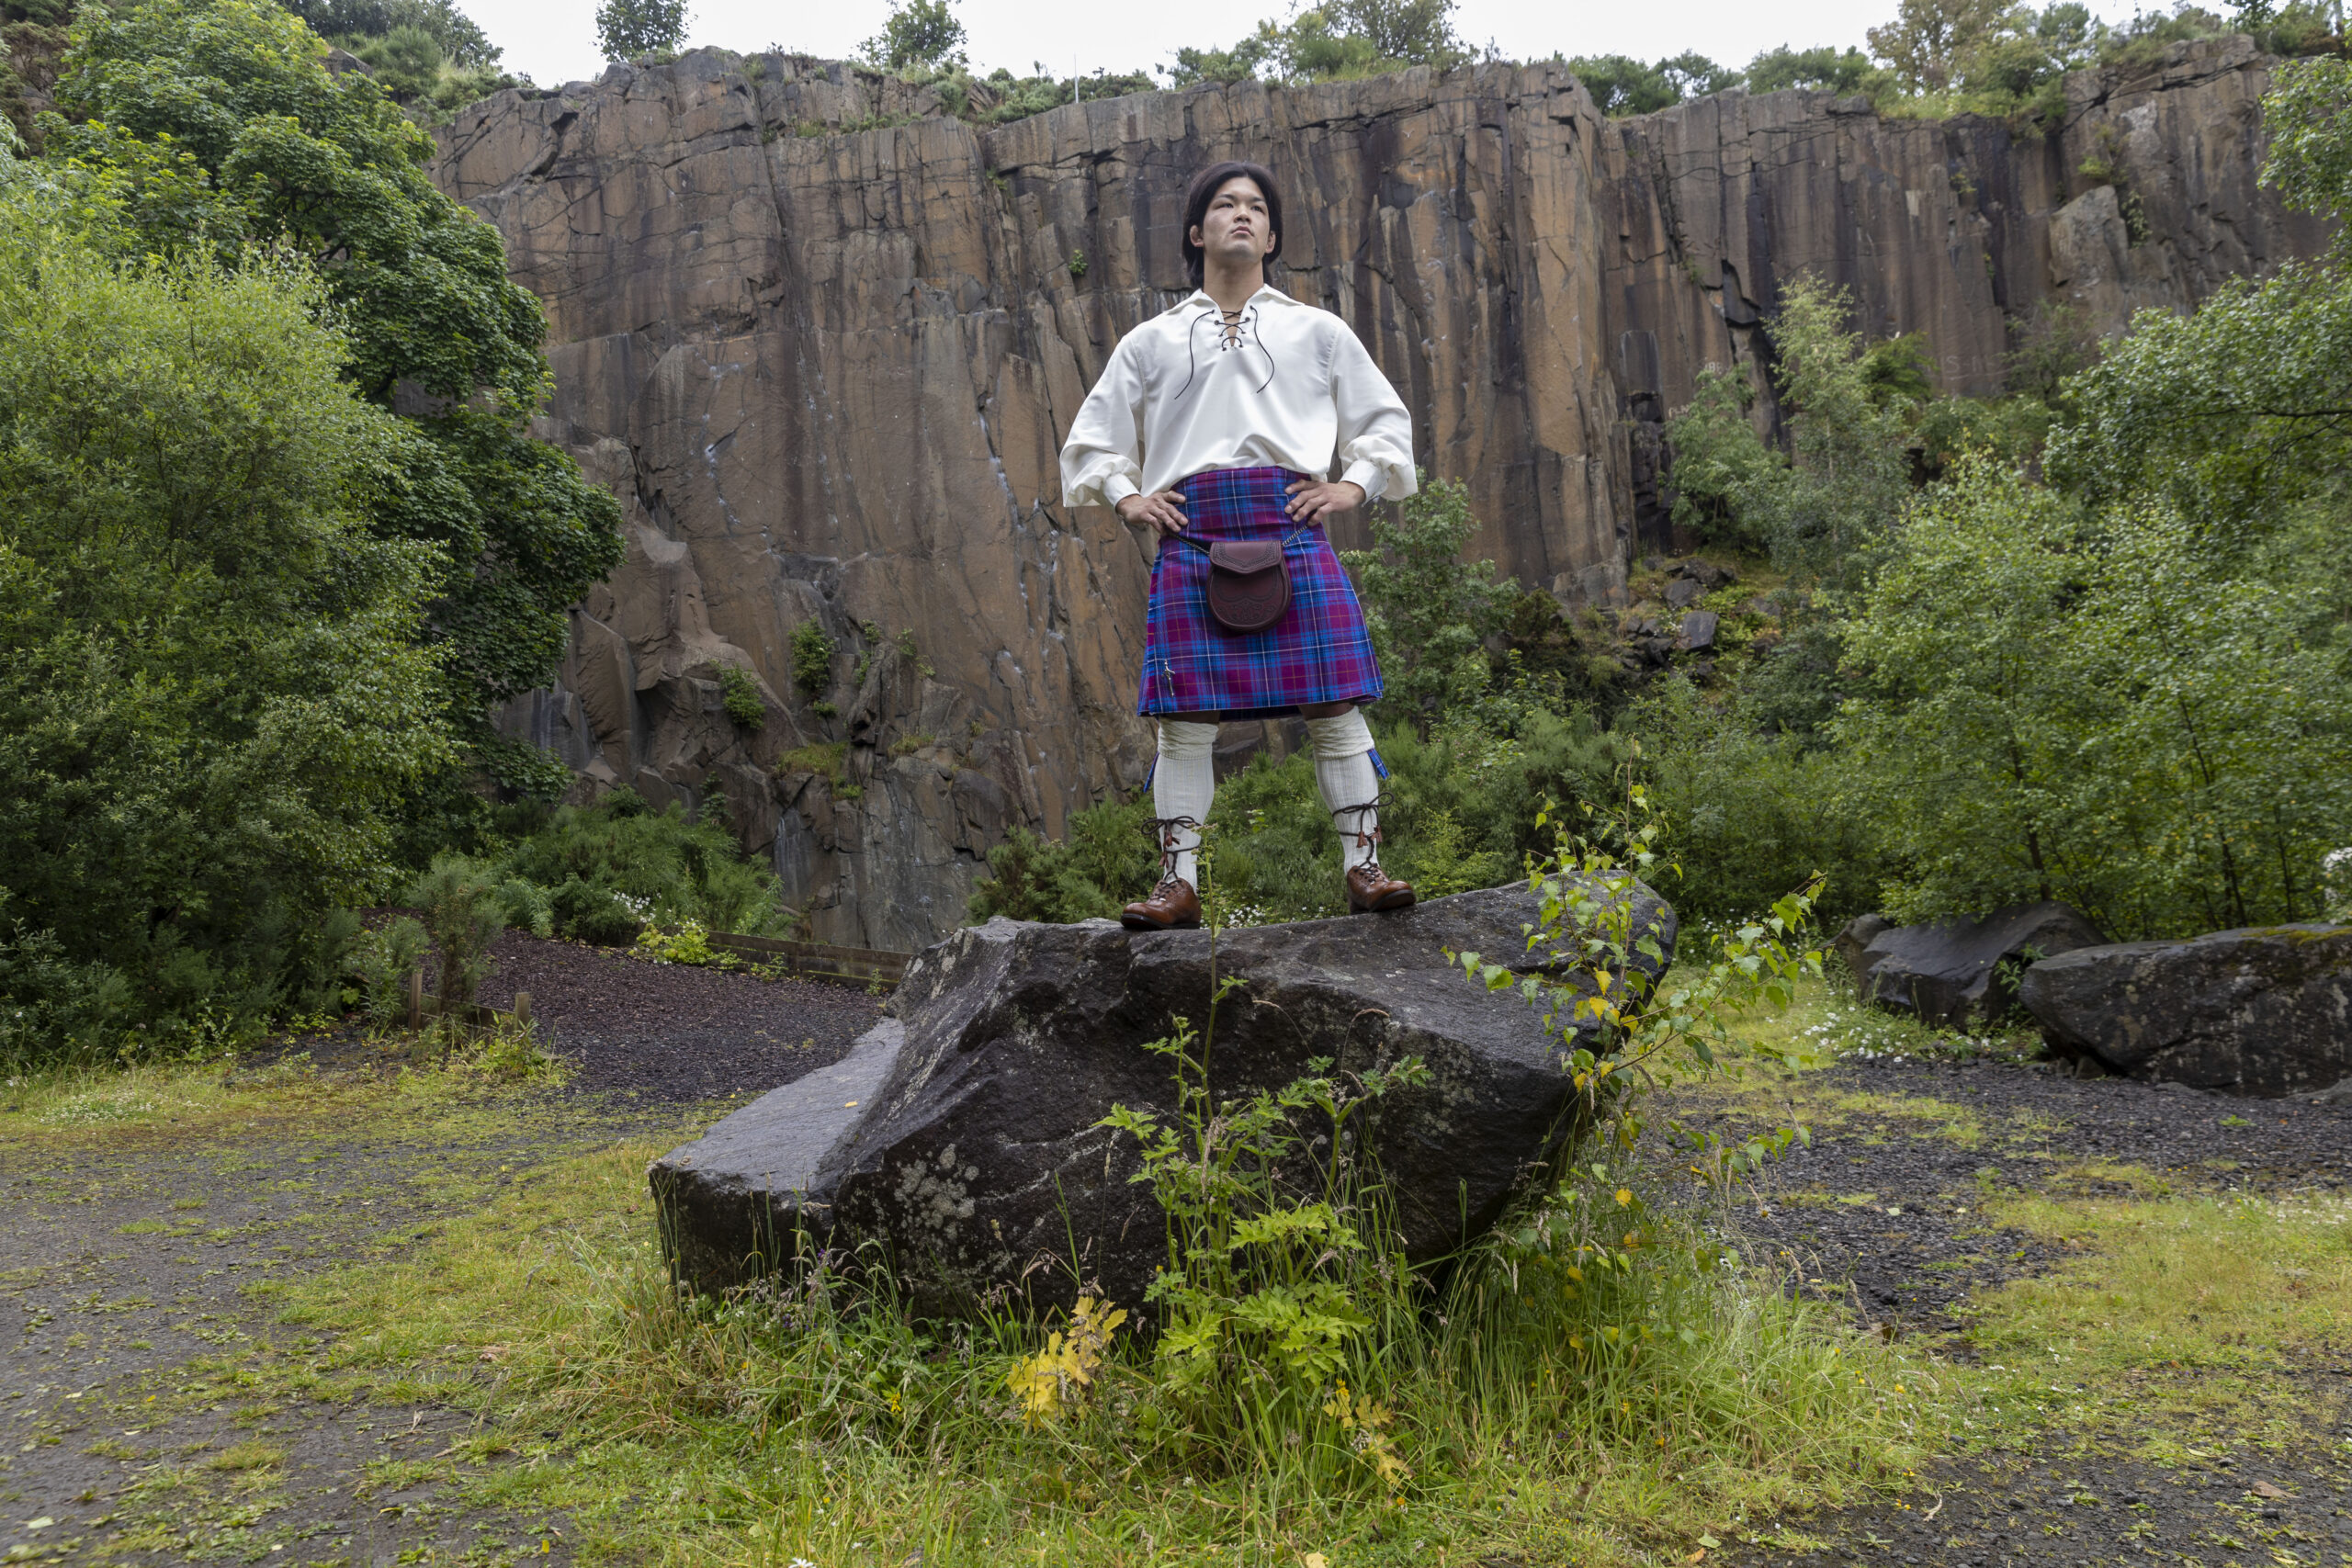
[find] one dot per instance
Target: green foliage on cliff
(210, 128)
(1824, 507)
(214, 697)
(1340, 41)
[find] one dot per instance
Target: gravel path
(670, 1031)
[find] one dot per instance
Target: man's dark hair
(1204, 189)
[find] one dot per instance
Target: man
(1216, 421)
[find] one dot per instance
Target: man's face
(1237, 230)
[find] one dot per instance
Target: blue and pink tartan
(1319, 650)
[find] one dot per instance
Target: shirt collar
(1267, 294)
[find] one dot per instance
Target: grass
(784, 1428)
(2198, 1316)
(1631, 1419)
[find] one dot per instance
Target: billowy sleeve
(1103, 459)
(1376, 433)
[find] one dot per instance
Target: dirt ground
(140, 1263)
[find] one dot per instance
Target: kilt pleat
(1318, 652)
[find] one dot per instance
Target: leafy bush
(213, 703)
(1106, 861)
(587, 912)
(690, 944)
(1428, 611)
(52, 1005)
(1751, 813)
(609, 868)
(739, 695)
(812, 658)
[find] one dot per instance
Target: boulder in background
(2262, 1010)
(1945, 974)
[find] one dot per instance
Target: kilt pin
(1318, 652)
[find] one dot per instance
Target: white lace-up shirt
(1287, 387)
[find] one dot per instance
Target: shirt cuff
(1364, 472)
(1116, 488)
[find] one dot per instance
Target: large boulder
(2263, 1011)
(965, 1135)
(1947, 973)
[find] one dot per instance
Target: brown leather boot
(1373, 891)
(1174, 906)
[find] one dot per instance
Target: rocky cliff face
(823, 339)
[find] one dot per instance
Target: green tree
(212, 689)
(1823, 70)
(918, 35)
(1620, 84)
(1428, 610)
(1336, 42)
(2091, 707)
(1825, 508)
(630, 30)
(211, 126)
(1927, 39)
(461, 41)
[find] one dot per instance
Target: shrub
(463, 915)
(690, 943)
(1428, 610)
(51, 1005)
(586, 912)
(812, 658)
(1751, 813)
(739, 695)
(609, 868)
(383, 960)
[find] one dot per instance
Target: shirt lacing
(1235, 330)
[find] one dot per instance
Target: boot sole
(1137, 923)
(1388, 905)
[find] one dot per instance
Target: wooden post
(416, 997)
(523, 1008)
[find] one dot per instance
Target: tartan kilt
(1319, 650)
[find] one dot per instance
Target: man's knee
(1187, 739)
(1338, 736)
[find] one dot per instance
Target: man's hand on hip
(1158, 508)
(1316, 501)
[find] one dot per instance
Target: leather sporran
(1248, 583)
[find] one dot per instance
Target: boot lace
(1163, 831)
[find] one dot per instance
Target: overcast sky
(554, 41)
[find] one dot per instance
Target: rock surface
(969, 1143)
(1947, 973)
(827, 371)
(2263, 1010)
